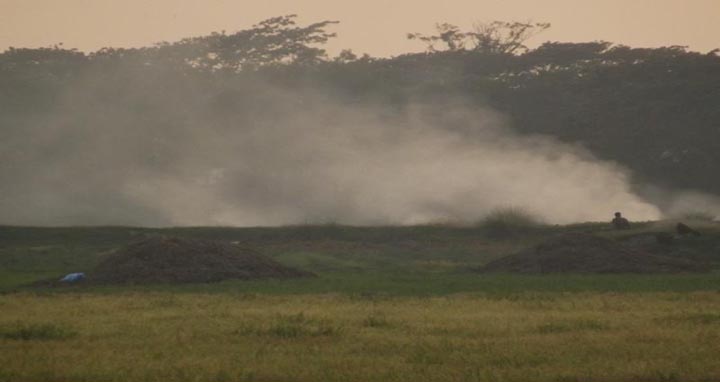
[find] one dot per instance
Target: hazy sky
(377, 27)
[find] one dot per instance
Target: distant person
(620, 222)
(684, 229)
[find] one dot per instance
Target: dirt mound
(584, 253)
(180, 260)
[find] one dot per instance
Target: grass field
(390, 304)
(163, 336)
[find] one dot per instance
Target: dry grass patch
(192, 337)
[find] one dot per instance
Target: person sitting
(620, 222)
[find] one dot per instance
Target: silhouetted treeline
(656, 111)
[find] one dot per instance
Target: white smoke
(305, 158)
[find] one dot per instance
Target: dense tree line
(656, 111)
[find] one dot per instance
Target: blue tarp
(73, 277)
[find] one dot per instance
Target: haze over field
(262, 127)
(296, 158)
(352, 191)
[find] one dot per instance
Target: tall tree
(497, 37)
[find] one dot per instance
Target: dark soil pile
(176, 260)
(584, 253)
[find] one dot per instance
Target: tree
(271, 42)
(497, 37)
(501, 37)
(448, 34)
(275, 41)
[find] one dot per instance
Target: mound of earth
(181, 260)
(585, 253)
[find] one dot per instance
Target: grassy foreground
(161, 336)
(390, 304)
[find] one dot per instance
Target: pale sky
(366, 26)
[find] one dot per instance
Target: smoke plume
(151, 153)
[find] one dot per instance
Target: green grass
(390, 304)
(418, 260)
(428, 284)
(371, 284)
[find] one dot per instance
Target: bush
(292, 327)
(27, 332)
(507, 222)
(376, 321)
(571, 326)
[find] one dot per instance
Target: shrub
(27, 332)
(293, 326)
(376, 321)
(571, 326)
(506, 222)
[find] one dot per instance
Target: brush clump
(184, 260)
(585, 253)
(508, 222)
